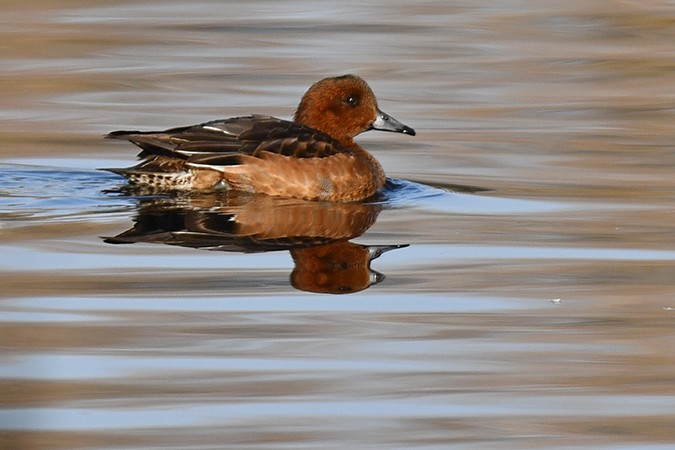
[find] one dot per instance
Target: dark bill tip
(408, 130)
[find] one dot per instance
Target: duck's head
(343, 107)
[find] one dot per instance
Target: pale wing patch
(218, 130)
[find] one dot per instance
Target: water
(520, 292)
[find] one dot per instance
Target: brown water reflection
(317, 234)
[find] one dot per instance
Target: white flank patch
(206, 166)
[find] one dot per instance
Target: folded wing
(222, 142)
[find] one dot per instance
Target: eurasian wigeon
(314, 157)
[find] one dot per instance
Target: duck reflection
(317, 234)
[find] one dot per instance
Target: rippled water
(514, 287)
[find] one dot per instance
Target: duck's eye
(352, 100)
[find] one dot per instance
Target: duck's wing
(221, 142)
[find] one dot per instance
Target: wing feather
(221, 142)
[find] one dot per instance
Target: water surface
(523, 290)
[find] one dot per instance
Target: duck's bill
(385, 122)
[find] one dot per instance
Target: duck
(313, 157)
